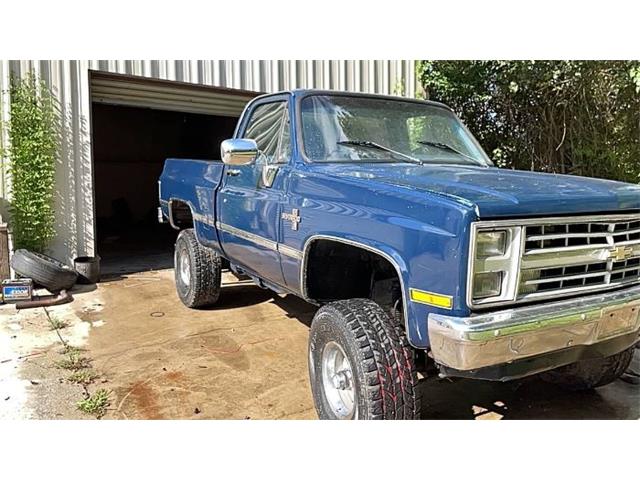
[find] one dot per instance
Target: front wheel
(590, 373)
(360, 364)
(198, 271)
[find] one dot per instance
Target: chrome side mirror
(239, 151)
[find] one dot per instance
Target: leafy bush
(33, 148)
(577, 117)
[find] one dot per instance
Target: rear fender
(195, 183)
(203, 225)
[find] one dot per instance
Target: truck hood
(497, 192)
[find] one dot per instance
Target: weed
(83, 377)
(57, 324)
(70, 350)
(74, 362)
(95, 404)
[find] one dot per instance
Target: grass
(82, 373)
(74, 362)
(83, 377)
(57, 324)
(95, 404)
(70, 350)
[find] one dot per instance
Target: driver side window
(269, 127)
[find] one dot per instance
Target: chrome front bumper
(485, 340)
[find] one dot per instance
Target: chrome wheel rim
(337, 380)
(184, 269)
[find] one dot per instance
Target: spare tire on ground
(45, 271)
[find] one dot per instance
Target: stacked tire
(43, 270)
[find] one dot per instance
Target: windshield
(340, 128)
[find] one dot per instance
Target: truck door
(251, 198)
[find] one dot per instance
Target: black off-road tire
(205, 272)
(43, 270)
(591, 373)
(383, 369)
(412, 397)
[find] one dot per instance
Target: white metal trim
(209, 220)
(289, 251)
(251, 237)
(258, 240)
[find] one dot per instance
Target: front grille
(564, 257)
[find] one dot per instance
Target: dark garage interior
(130, 145)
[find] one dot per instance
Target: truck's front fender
(424, 236)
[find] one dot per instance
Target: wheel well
(180, 215)
(338, 271)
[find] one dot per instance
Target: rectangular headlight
(491, 244)
(487, 284)
(494, 264)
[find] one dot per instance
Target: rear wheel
(197, 271)
(591, 373)
(359, 366)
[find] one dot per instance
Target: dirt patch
(176, 377)
(215, 363)
(145, 400)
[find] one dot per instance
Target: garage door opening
(136, 125)
(130, 146)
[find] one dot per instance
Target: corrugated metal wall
(69, 81)
(4, 113)
(374, 76)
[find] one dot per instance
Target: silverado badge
(293, 217)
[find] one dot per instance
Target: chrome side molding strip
(258, 240)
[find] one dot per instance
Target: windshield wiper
(377, 146)
(444, 146)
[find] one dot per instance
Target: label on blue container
(16, 292)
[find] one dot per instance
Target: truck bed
(193, 183)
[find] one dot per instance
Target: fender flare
(391, 256)
(195, 217)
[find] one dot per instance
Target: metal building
(121, 117)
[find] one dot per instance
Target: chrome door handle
(233, 172)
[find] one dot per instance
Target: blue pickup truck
(421, 254)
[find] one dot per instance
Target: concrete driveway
(245, 358)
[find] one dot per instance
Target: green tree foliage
(33, 148)
(576, 117)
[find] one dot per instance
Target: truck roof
(303, 92)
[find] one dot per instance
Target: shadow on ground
(527, 399)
